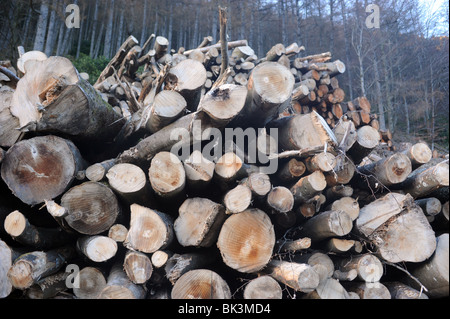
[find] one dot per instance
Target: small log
(92, 282)
(41, 168)
(48, 287)
(259, 184)
(264, 288)
(348, 205)
(324, 162)
(397, 228)
(224, 103)
(424, 181)
(430, 206)
(98, 171)
(342, 174)
(149, 231)
(329, 288)
(334, 193)
(300, 277)
(97, 248)
(291, 171)
(30, 267)
(167, 175)
(275, 52)
(368, 290)
(326, 225)
(138, 267)
(246, 241)
(280, 200)
(237, 199)
(346, 134)
(338, 245)
(229, 168)
(129, 182)
(118, 233)
(308, 186)
(294, 246)
(199, 170)
(320, 262)
(399, 290)
(201, 284)
(119, 286)
(159, 258)
(22, 231)
(92, 208)
(207, 217)
(368, 267)
(231, 45)
(419, 154)
(367, 139)
(9, 134)
(178, 264)
(270, 87)
(433, 273)
(188, 78)
(167, 107)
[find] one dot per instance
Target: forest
(401, 66)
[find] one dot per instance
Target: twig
(422, 287)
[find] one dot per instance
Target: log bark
(178, 264)
(263, 287)
(398, 229)
(30, 267)
(119, 286)
(7, 257)
(201, 284)
(300, 277)
(246, 241)
(149, 231)
(9, 134)
(399, 290)
(41, 168)
(199, 222)
(97, 248)
(92, 208)
(22, 231)
(326, 225)
(138, 267)
(52, 97)
(92, 282)
(433, 273)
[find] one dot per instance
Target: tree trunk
(41, 168)
(291, 171)
(92, 208)
(208, 218)
(199, 171)
(246, 241)
(41, 28)
(424, 181)
(201, 284)
(399, 290)
(149, 231)
(348, 205)
(109, 29)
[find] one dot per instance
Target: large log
(52, 97)
(41, 168)
(246, 241)
(201, 284)
(263, 287)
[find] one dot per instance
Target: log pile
(110, 190)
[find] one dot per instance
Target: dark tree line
(402, 67)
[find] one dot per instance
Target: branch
(223, 39)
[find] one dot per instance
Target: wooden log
(362, 104)
(7, 257)
(291, 171)
(348, 205)
(199, 171)
(336, 192)
(270, 87)
(368, 290)
(167, 175)
(433, 273)
(149, 231)
(188, 78)
(92, 208)
(324, 162)
(242, 52)
(138, 267)
(293, 246)
(275, 52)
(199, 222)
(246, 241)
(9, 123)
(30, 267)
(237, 199)
(48, 287)
(303, 132)
(92, 282)
(52, 97)
(424, 181)
(201, 284)
(329, 288)
(339, 245)
(129, 182)
(119, 286)
(368, 267)
(419, 154)
(224, 103)
(398, 229)
(22, 231)
(168, 106)
(308, 186)
(280, 200)
(41, 168)
(231, 45)
(430, 206)
(367, 139)
(97, 248)
(118, 233)
(263, 287)
(342, 174)
(179, 264)
(229, 168)
(346, 134)
(399, 290)
(300, 277)
(320, 262)
(160, 258)
(259, 184)
(98, 171)
(386, 172)
(326, 225)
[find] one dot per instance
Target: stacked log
(144, 200)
